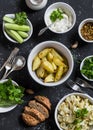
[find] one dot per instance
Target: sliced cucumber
(13, 34)
(8, 19)
(17, 27)
(23, 34)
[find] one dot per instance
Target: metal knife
(12, 54)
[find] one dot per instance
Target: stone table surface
(84, 9)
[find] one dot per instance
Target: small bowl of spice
(86, 68)
(85, 30)
(60, 17)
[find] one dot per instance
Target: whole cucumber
(17, 27)
(13, 34)
(23, 34)
(8, 19)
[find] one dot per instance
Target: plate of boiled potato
(50, 64)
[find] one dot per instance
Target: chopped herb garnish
(76, 121)
(56, 14)
(79, 116)
(78, 128)
(87, 68)
(81, 113)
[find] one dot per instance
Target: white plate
(7, 109)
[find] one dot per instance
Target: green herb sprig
(20, 18)
(56, 14)
(80, 114)
(87, 68)
(10, 94)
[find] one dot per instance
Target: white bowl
(81, 65)
(62, 49)
(7, 109)
(67, 9)
(81, 25)
(61, 100)
(29, 33)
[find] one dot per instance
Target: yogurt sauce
(60, 25)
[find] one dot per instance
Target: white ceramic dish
(36, 4)
(67, 9)
(29, 33)
(62, 49)
(61, 100)
(81, 65)
(81, 25)
(7, 109)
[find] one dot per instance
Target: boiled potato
(40, 72)
(56, 54)
(58, 62)
(49, 78)
(49, 56)
(44, 52)
(48, 66)
(59, 73)
(54, 66)
(36, 63)
(65, 69)
(44, 59)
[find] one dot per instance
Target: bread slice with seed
(29, 120)
(35, 113)
(36, 105)
(44, 101)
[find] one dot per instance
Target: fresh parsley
(81, 113)
(56, 14)
(87, 68)
(76, 121)
(20, 18)
(10, 94)
(78, 128)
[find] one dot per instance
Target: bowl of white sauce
(60, 17)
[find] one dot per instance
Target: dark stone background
(84, 9)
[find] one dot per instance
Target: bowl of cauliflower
(75, 112)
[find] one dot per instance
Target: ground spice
(87, 31)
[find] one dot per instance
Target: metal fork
(8, 66)
(83, 83)
(13, 54)
(8, 62)
(74, 86)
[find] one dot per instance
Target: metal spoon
(74, 86)
(44, 29)
(18, 64)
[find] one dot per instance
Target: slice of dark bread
(35, 113)
(44, 101)
(36, 105)
(29, 120)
